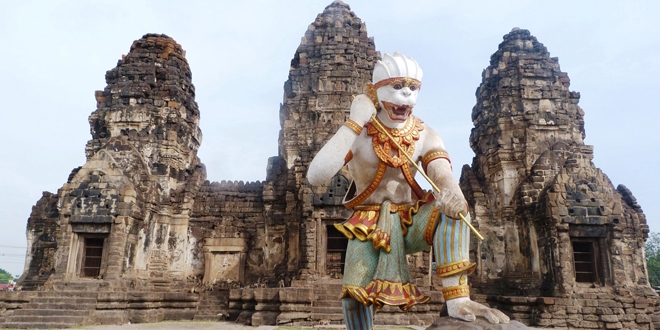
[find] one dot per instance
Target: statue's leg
(449, 237)
(361, 262)
(451, 244)
(423, 225)
(357, 315)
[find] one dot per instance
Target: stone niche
(224, 259)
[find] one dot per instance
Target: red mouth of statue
(397, 112)
(401, 111)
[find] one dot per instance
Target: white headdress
(396, 66)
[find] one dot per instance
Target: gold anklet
(454, 292)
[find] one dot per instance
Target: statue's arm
(437, 165)
(329, 160)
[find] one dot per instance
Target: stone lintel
(225, 244)
(88, 228)
(90, 219)
(587, 231)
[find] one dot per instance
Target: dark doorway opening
(336, 251)
(92, 255)
(585, 261)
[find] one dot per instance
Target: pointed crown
(396, 65)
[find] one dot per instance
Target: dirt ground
(192, 325)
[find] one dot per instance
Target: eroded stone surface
(449, 323)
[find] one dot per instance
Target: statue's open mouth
(401, 111)
(397, 112)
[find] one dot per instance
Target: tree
(652, 251)
(5, 277)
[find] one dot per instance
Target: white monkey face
(398, 96)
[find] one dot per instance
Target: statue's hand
(450, 203)
(467, 310)
(362, 108)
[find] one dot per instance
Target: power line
(13, 246)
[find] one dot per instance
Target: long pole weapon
(419, 169)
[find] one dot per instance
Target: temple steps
(50, 309)
(326, 307)
(212, 307)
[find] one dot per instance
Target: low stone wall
(144, 307)
(114, 307)
(307, 306)
(582, 311)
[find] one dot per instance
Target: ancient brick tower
(554, 225)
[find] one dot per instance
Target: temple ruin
(138, 234)
(555, 226)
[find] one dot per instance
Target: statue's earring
(373, 95)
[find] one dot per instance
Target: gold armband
(355, 127)
(433, 155)
(455, 268)
(454, 292)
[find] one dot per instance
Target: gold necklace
(405, 137)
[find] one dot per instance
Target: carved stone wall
(554, 225)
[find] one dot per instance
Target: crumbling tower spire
(524, 107)
(150, 102)
(332, 64)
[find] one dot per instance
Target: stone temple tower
(554, 225)
(332, 64)
(137, 185)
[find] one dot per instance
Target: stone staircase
(326, 307)
(213, 306)
(51, 309)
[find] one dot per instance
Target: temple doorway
(335, 251)
(92, 256)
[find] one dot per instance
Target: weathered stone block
(643, 318)
(609, 318)
(145, 315)
(617, 325)
(264, 318)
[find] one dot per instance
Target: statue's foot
(468, 310)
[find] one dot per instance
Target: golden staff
(382, 129)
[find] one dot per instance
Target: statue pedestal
(450, 323)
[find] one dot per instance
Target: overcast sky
(54, 55)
